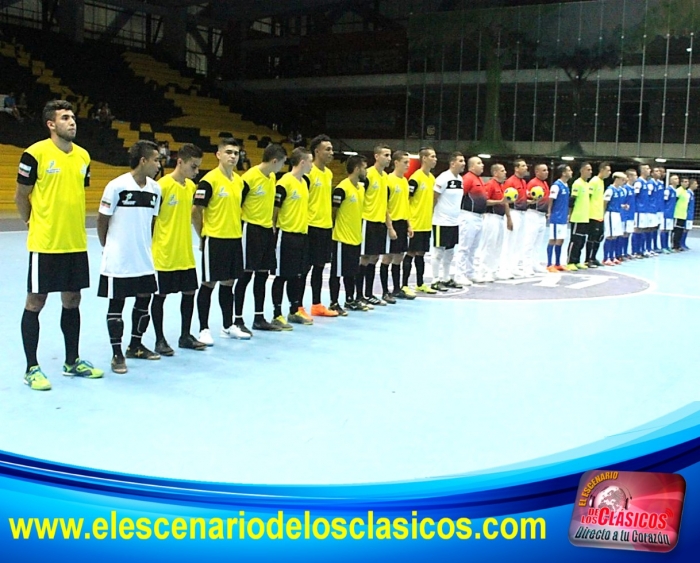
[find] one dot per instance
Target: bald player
(471, 220)
(535, 221)
(489, 251)
(511, 255)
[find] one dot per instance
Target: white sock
(436, 261)
(447, 263)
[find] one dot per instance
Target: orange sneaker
(552, 269)
(319, 310)
(302, 312)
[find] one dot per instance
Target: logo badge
(628, 510)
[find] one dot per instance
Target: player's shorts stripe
(244, 242)
(278, 253)
(35, 272)
(205, 260)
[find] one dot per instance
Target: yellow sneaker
(425, 288)
(410, 294)
(301, 311)
(36, 379)
(582, 266)
(571, 268)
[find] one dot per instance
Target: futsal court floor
(502, 375)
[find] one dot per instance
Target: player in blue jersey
(692, 188)
(614, 198)
(642, 220)
(669, 208)
(558, 216)
(628, 213)
(658, 175)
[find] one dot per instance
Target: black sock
(30, 336)
(407, 265)
(186, 311)
(396, 276)
(203, 305)
(293, 294)
(259, 294)
(302, 285)
(316, 284)
(420, 270)
(350, 282)
(360, 282)
(277, 294)
(115, 326)
(157, 316)
(334, 286)
(226, 304)
(369, 280)
(239, 294)
(70, 325)
(384, 277)
(139, 320)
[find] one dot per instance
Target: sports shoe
(301, 311)
(389, 298)
(452, 284)
(372, 300)
(319, 310)
(297, 318)
(140, 352)
(189, 342)
(582, 266)
(356, 306)
(666, 251)
(365, 303)
(234, 331)
(410, 294)
(36, 379)
(560, 268)
(205, 337)
(164, 349)
(264, 325)
(282, 323)
(539, 269)
(239, 323)
(552, 269)
(504, 276)
(82, 368)
(338, 310)
(425, 288)
(459, 280)
(401, 294)
(617, 261)
(118, 364)
(438, 286)
(608, 262)
(571, 268)
(595, 262)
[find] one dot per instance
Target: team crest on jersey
(154, 199)
(128, 200)
(317, 183)
(375, 185)
(52, 168)
(172, 200)
(295, 195)
(222, 192)
(397, 189)
(259, 191)
(353, 199)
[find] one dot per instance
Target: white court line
(681, 295)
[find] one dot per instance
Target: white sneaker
(234, 332)
(528, 274)
(504, 276)
(205, 337)
(539, 269)
(466, 282)
(488, 278)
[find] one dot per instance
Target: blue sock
(684, 236)
(557, 254)
(655, 239)
(550, 248)
(664, 239)
(625, 246)
(635, 243)
(647, 241)
(606, 249)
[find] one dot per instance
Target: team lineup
(293, 225)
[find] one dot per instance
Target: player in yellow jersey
(400, 212)
(596, 214)
(216, 216)
(173, 256)
(291, 220)
(320, 221)
(258, 234)
(348, 198)
(420, 192)
(377, 229)
(57, 240)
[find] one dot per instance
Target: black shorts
(121, 288)
(222, 259)
(420, 242)
(580, 229)
(595, 230)
(400, 245)
(345, 259)
(445, 237)
(679, 223)
(49, 273)
(320, 245)
(258, 248)
(176, 281)
(292, 254)
(375, 238)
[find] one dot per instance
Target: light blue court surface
(421, 389)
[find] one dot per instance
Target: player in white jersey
(124, 223)
(448, 193)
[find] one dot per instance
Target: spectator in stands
(298, 140)
(104, 115)
(10, 106)
(164, 151)
(23, 107)
(243, 160)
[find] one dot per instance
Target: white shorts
(688, 225)
(643, 220)
(659, 218)
(558, 232)
(629, 226)
(613, 224)
(667, 224)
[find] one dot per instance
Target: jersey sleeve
(412, 187)
(467, 184)
(607, 196)
(338, 196)
(203, 194)
(637, 187)
(440, 185)
(27, 171)
(110, 199)
(575, 189)
(307, 180)
(159, 201)
(280, 195)
(553, 191)
(86, 182)
(245, 191)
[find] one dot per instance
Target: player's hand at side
(392, 234)
(410, 232)
(509, 224)
(201, 244)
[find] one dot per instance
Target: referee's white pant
(512, 254)
(470, 225)
(534, 229)
(489, 252)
